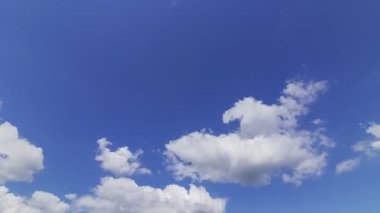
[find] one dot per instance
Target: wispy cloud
(347, 165)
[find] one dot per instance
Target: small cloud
(347, 166)
(370, 148)
(374, 129)
(317, 122)
(121, 161)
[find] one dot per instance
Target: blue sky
(145, 73)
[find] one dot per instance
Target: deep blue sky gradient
(143, 72)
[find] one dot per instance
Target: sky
(189, 106)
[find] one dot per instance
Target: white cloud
(372, 147)
(40, 202)
(258, 118)
(229, 158)
(268, 142)
(19, 159)
(120, 162)
(117, 194)
(347, 166)
(374, 129)
(123, 195)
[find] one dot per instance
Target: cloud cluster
(112, 195)
(368, 148)
(120, 162)
(19, 159)
(268, 142)
(40, 202)
(121, 195)
(124, 195)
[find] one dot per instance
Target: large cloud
(40, 202)
(19, 159)
(269, 141)
(119, 162)
(123, 195)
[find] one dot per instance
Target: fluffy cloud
(258, 118)
(372, 147)
(346, 166)
(19, 159)
(123, 195)
(268, 142)
(119, 162)
(40, 202)
(113, 194)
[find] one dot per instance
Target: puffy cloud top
(268, 142)
(113, 195)
(123, 195)
(119, 162)
(257, 118)
(19, 159)
(40, 202)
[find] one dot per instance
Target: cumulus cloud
(346, 166)
(123, 195)
(120, 162)
(268, 142)
(40, 202)
(371, 147)
(117, 194)
(19, 159)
